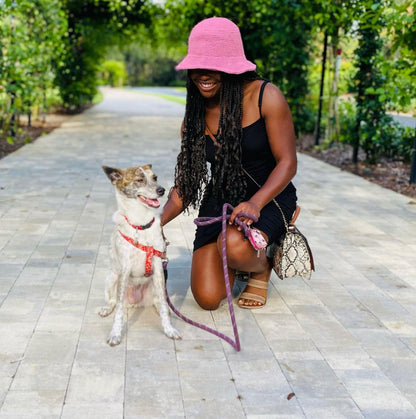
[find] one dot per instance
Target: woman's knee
(206, 299)
(241, 255)
(238, 247)
(207, 279)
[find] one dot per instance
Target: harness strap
(146, 226)
(149, 250)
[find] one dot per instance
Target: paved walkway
(344, 343)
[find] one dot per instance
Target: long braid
(191, 174)
(191, 169)
(228, 177)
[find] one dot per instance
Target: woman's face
(208, 82)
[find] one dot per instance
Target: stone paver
(344, 342)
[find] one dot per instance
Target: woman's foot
(240, 283)
(255, 294)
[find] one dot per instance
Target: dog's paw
(105, 311)
(113, 340)
(172, 333)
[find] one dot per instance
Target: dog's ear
(113, 174)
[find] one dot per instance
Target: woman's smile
(206, 85)
(207, 82)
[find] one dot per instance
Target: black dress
(258, 161)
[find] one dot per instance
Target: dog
(137, 249)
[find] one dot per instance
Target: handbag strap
(295, 214)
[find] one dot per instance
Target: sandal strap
(255, 283)
(254, 297)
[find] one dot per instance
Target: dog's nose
(160, 191)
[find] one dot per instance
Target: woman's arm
(172, 208)
(281, 134)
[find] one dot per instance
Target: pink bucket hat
(216, 44)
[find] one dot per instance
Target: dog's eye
(154, 178)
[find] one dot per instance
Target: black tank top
(257, 157)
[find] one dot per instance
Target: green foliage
(403, 142)
(384, 63)
(172, 98)
(29, 31)
(93, 25)
(399, 65)
(347, 120)
(97, 98)
(333, 15)
(46, 44)
(346, 75)
(372, 129)
(392, 139)
(147, 63)
(113, 73)
(363, 120)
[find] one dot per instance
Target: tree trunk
(413, 167)
(333, 118)
(321, 90)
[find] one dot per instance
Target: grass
(97, 98)
(172, 98)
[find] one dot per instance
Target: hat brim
(233, 65)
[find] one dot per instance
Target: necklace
(208, 131)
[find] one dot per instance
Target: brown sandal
(255, 283)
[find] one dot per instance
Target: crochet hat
(216, 44)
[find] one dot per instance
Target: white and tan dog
(137, 248)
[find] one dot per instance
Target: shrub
(347, 120)
(112, 73)
(389, 139)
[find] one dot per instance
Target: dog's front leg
(161, 303)
(110, 294)
(114, 338)
(112, 281)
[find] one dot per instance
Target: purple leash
(201, 221)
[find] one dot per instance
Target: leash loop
(201, 221)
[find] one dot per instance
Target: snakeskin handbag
(293, 257)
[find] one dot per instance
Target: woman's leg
(207, 277)
(242, 256)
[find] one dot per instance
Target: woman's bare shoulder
(273, 99)
(252, 87)
(271, 91)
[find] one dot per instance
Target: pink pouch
(256, 239)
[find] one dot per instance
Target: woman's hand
(247, 207)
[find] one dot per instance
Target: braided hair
(191, 173)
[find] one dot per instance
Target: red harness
(150, 252)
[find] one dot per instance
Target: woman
(242, 126)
